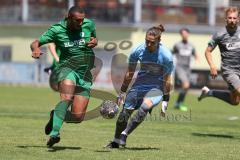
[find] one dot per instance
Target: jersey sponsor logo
(233, 45)
(79, 43)
(185, 52)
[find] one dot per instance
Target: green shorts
(81, 79)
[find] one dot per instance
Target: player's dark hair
(76, 9)
(184, 29)
(156, 31)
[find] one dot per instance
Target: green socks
(58, 117)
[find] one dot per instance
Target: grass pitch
(210, 131)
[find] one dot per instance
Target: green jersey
(72, 44)
(76, 59)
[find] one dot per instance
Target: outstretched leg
(136, 120)
(231, 97)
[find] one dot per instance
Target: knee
(66, 89)
(185, 85)
(147, 104)
(66, 97)
(78, 118)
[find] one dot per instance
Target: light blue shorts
(135, 97)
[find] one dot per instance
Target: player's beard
(152, 49)
(231, 28)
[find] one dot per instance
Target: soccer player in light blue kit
(151, 86)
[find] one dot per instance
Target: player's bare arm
(213, 69)
(52, 48)
(36, 52)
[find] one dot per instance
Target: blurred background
(117, 21)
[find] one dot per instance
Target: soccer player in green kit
(75, 36)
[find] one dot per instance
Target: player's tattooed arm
(166, 93)
(128, 76)
(127, 80)
(167, 84)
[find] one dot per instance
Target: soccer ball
(109, 109)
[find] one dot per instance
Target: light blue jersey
(153, 66)
(149, 81)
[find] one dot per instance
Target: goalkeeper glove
(164, 104)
